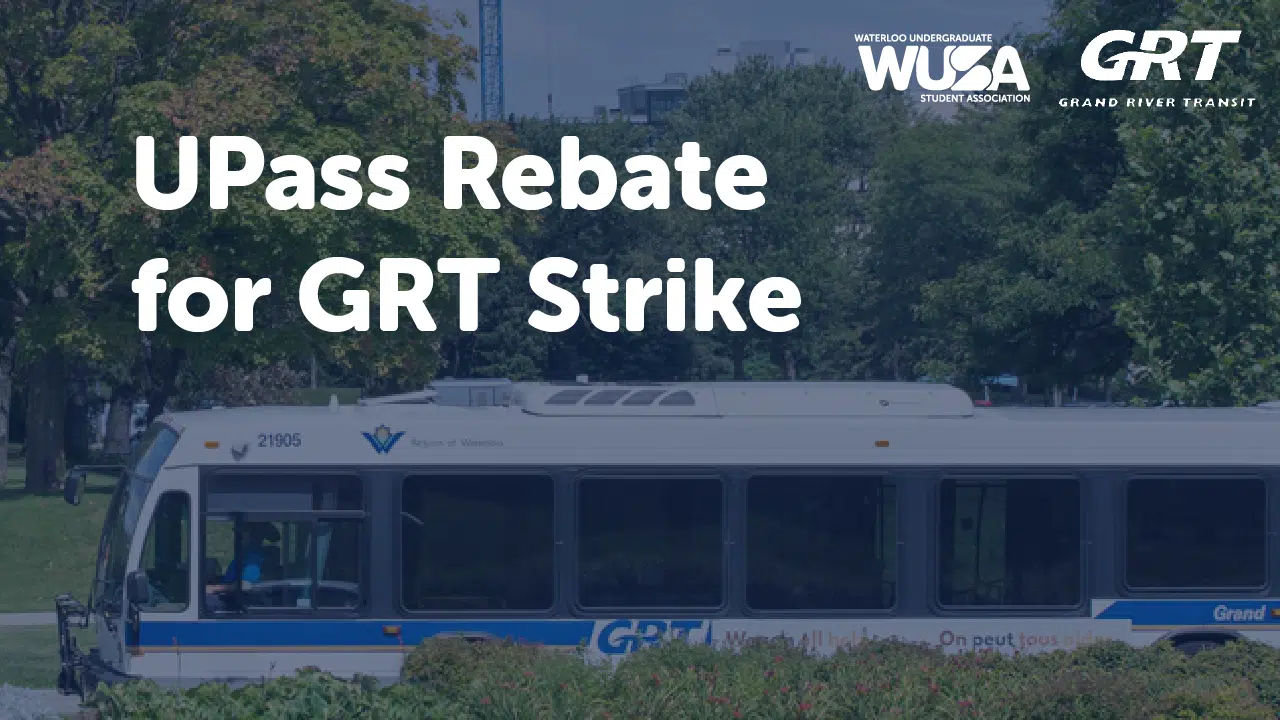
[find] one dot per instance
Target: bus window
(337, 550)
(122, 516)
(1009, 543)
(286, 494)
(650, 542)
(1196, 533)
(821, 543)
(219, 557)
(477, 542)
(166, 554)
(284, 544)
(152, 451)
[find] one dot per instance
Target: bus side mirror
(73, 487)
(138, 588)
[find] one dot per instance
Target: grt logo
(1146, 56)
(626, 636)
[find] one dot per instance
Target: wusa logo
(1146, 56)
(382, 439)
(961, 72)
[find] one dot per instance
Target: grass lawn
(29, 655)
(47, 546)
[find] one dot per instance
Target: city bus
(242, 544)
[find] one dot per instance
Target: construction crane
(491, 91)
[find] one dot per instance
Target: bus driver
(237, 578)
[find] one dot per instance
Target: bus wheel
(1191, 646)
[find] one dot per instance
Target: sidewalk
(28, 619)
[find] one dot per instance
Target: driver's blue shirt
(252, 568)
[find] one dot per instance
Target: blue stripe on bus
(331, 633)
(1193, 612)
(303, 633)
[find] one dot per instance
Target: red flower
(805, 706)
(485, 701)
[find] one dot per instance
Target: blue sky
(582, 51)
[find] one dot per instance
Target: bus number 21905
(280, 440)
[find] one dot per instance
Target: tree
(815, 130)
(1039, 300)
(628, 242)
(939, 197)
(1039, 305)
(1197, 222)
(314, 79)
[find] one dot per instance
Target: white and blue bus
(248, 543)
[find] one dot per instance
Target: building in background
(649, 103)
(779, 53)
(603, 113)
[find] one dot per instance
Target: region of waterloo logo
(382, 439)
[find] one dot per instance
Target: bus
(249, 543)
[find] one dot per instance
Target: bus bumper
(79, 673)
(95, 672)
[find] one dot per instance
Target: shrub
(309, 694)
(453, 678)
(1247, 660)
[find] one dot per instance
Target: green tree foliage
(1055, 283)
(1036, 294)
(1033, 294)
(815, 129)
(62, 65)
(628, 242)
(1076, 156)
(939, 198)
(314, 79)
(1197, 221)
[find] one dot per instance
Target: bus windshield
(122, 515)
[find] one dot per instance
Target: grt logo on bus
(624, 636)
(1145, 57)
